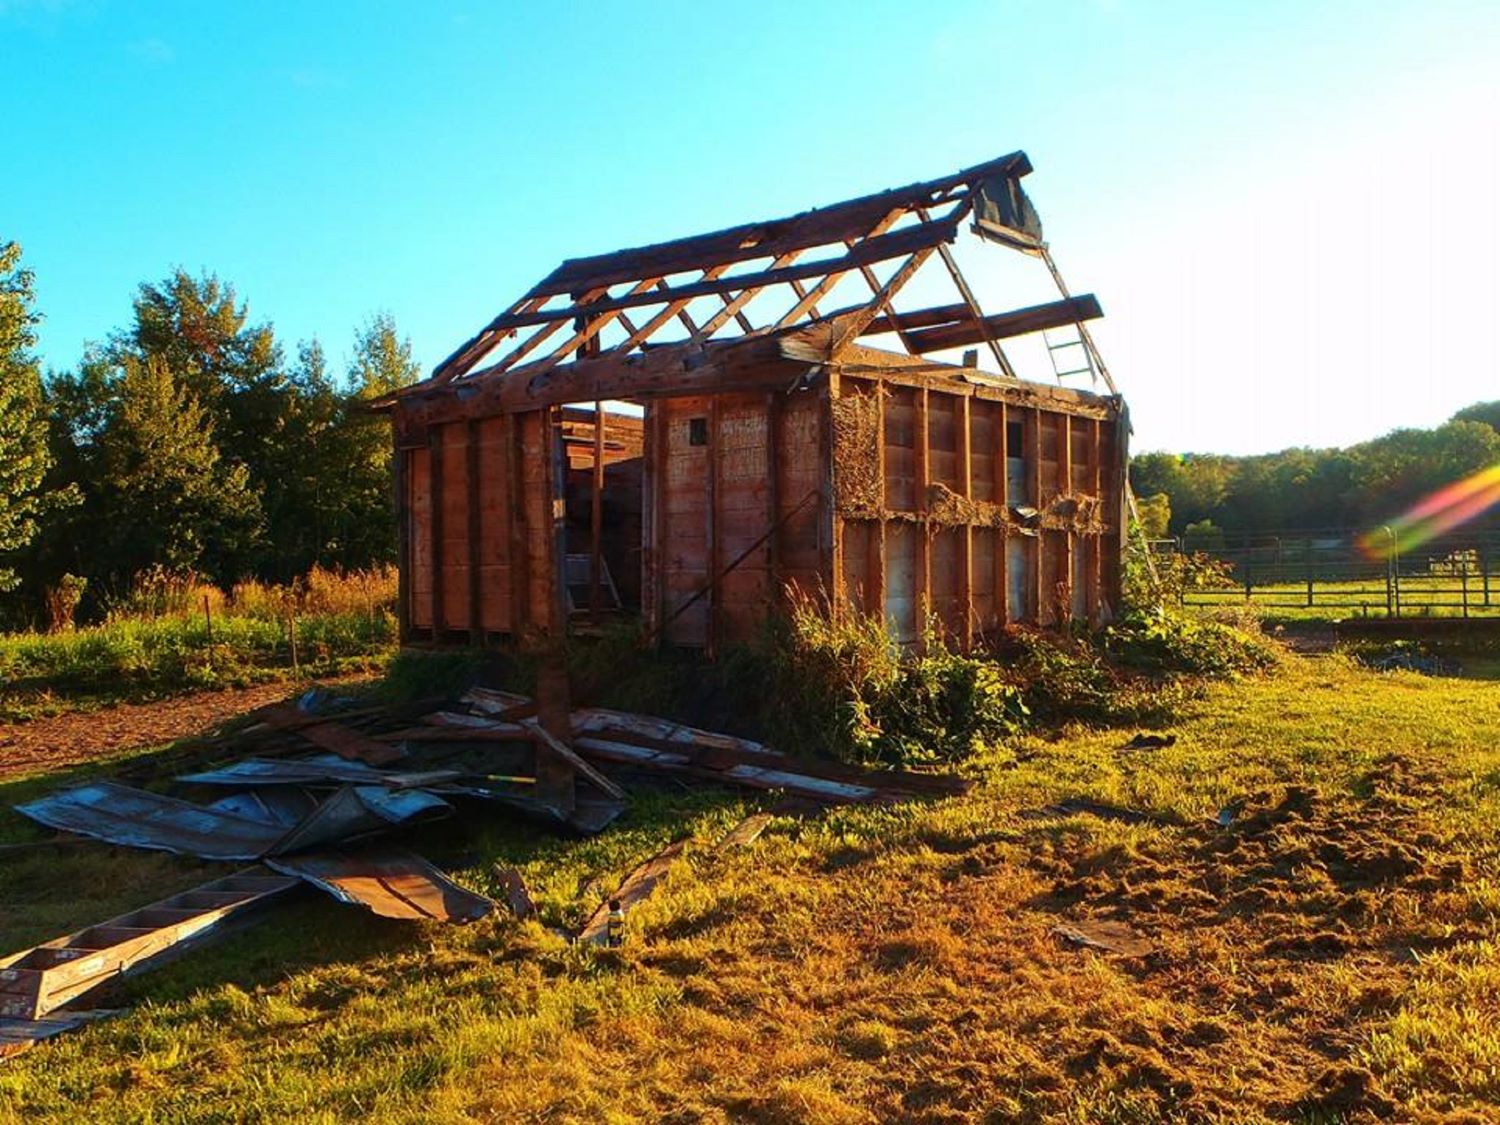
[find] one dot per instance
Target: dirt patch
(85, 736)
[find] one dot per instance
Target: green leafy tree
(1155, 514)
(161, 493)
(1486, 412)
(24, 453)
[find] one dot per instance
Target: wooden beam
(1018, 322)
(557, 508)
(653, 457)
(1065, 486)
(876, 249)
(515, 521)
(918, 318)
(1034, 486)
(774, 431)
(855, 322)
(831, 534)
(732, 305)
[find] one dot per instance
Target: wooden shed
(686, 431)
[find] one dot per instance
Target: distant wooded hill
(1359, 487)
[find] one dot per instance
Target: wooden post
(291, 632)
(1307, 566)
(513, 434)
(1065, 487)
(1095, 576)
(966, 533)
(832, 535)
(652, 454)
(714, 530)
(774, 407)
(435, 475)
(596, 517)
(557, 500)
(472, 486)
(877, 577)
(924, 543)
(1002, 498)
(1034, 485)
(208, 620)
(401, 487)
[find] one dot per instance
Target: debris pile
(310, 790)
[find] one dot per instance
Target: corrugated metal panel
(389, 882)
(136, 818)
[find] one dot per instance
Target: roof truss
(606, 308)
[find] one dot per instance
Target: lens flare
(1449, 507)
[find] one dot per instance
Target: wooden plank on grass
(638, 885)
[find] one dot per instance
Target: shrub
(846, 689)
(1166, 641)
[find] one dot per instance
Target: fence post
(208, 619)
(1463, 579)
(1484, 571)
(1249, 587)
(1307, 560)
(291, 624)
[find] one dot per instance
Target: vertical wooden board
(946, 577)
(984, 448)
(685, 519)
(455, 525)
(901, 613)
(859, 537)
(744, 498)
(1053, 575)
(986, 554)
(1081, 459)
(801, 475)
(1020, 578)
(536, 500)
(900, 450)
(924, 478)
(1078, 556)
(651, 460)
(419, 504)
(943, 440)
(494, 541)
(1051, 464)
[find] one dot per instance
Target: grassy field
(343, 623)
(1330, 956)
(1421, 597)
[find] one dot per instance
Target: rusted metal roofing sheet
(389, 882)
(359, 811)
(136, 818)
(322, 769)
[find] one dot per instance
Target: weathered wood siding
(973, 507)
(731, 512)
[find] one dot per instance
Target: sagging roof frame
(910, 223)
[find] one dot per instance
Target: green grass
(1319, 964)
(135, 658)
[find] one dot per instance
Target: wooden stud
(1065, 486)
(924, 542)
(516, 529)
(714, 530)
(402, 485)
(652, 457)
(557, 542)
(435, 526)
(832, 522)
(966, 533)
(1002, 497)
(878, 579)
(774, 431)
(596, 518)
(472, 486)
(1096, 554)
(1034, 485)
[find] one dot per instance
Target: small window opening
(697, 431)
(1015, 439)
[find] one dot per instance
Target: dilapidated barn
(689, 430)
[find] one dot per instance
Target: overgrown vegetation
(172, 632)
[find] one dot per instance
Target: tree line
(1355, 488)
(187, 440)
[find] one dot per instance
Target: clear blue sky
(1288, 210)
